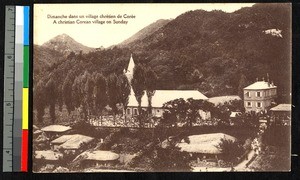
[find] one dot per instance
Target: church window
(135, 112)
(128, 111)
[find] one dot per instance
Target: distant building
(160, 97)
(220, 100)
(259, 96)
(281, 114)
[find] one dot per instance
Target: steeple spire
(130, 67)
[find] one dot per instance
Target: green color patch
(26, 67)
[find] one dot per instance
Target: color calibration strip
(16, 93)
(25, 107)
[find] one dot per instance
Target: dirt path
(242, 165)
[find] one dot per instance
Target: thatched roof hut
(97, 156)
(56, 128)
(102, 156)
(48, 155)
(204, 143)
(74, 141)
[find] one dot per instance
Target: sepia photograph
(193, 87)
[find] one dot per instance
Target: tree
(242, 84)
(150, 84)
(230, 150)
(100, 93)
(88, 94)
(51, 98)
(171, 159)
(82, 89)
(184, 111)
(40, 100)
(113, 93)
(67, 91)
(176, 111)
(138, 86)
(125, 89)
(193, 110)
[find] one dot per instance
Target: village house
(281, 114)
(54, 131)
(74, 144)
(205, 147)
(259, 96)
(160, 97)
(98, 158)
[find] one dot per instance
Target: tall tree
(138, 86)
(66, 91)
(125, 89)
(150, 84)
(40, 100)
(100, 92)
(113, 93)
(88, 94)
(80, 89)
(51, 98)
(242, 84)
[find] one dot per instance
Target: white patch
(274, 32)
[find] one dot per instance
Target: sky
(97, 35)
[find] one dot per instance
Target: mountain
(65, 44)
(44, 59)
(145, 32)
(214, 52)
(211, 51)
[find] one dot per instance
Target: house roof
(75, 141)
(204, 143)
(162, 96)
(61, 139)
(222, 99)
(48, 155)
(260, 85)
(282, 107)
(56, 128)
(100, 155)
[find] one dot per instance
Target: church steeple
(129, 70)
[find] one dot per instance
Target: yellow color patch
(25, 109)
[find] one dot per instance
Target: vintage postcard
(162, 87)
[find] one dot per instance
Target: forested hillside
(215, 52)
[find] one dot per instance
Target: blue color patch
(26, 25)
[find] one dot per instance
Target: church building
(160, 97)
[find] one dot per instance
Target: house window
(258, 94)
(157, 110)
(135, 112)
(248, 104)
(248, 94)
(258, 104)
(128, 111)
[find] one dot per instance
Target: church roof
(260, 85)
(162, 96)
